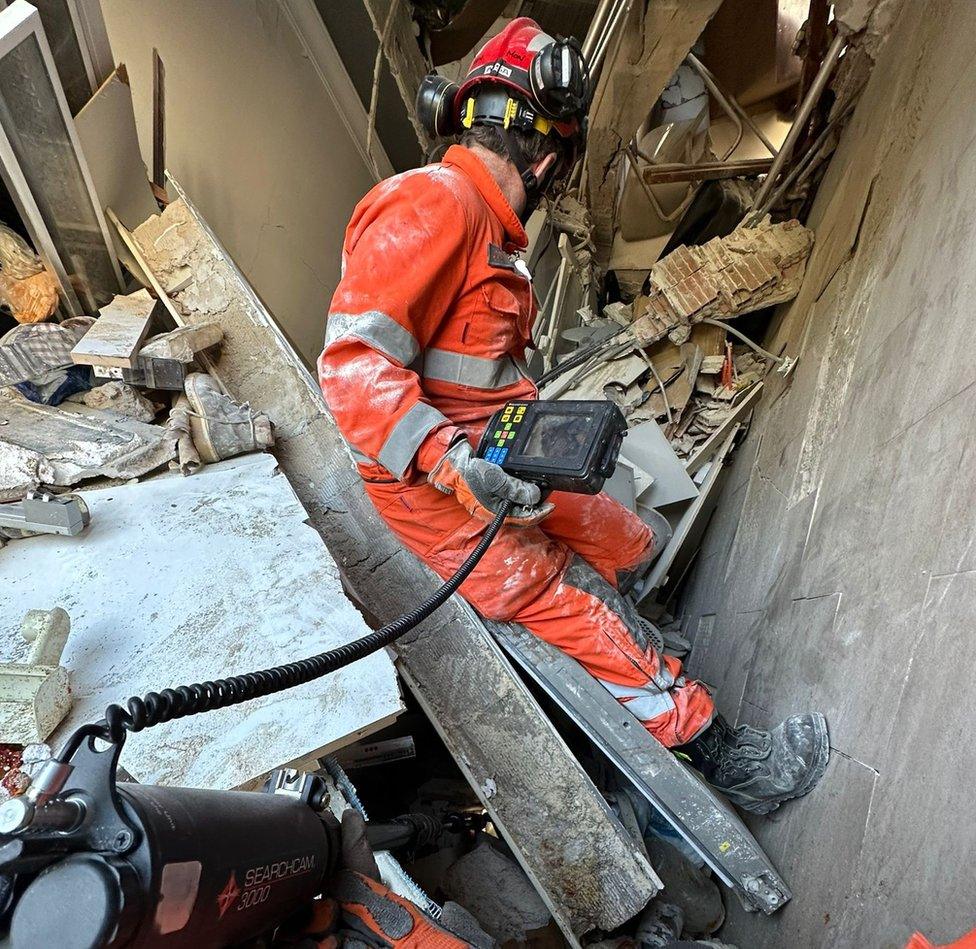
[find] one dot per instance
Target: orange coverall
(426, 338)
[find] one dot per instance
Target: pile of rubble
(669, 356)
(116, 397)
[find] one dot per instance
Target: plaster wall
(839, 572)
(255, 139)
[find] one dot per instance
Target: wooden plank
(117, 334)
(653, 45)
(403, 55)
(158, 121)
(590, 871)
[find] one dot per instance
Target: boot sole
(813, 777)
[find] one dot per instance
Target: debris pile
(94, 398)
(669, 356)
(751, 268)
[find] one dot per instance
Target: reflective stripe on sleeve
(474, 371)
(375, 329)
(644, 702)
(407, 435)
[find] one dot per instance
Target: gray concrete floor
(839, 571)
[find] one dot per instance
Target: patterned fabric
(31, 351)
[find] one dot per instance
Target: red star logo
(228, 896)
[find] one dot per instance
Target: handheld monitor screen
(560, 436)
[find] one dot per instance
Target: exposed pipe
(596, 27)
(783, 363)
(802, 169)
(802, 115)
(707, 171)
(621, 10)
(720, 97)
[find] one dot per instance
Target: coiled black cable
(154, 708)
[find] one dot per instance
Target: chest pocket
(500, 326)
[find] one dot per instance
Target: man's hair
(532, 145)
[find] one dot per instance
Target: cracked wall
(254, 138)
(839, 571)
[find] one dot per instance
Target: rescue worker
(426, 339)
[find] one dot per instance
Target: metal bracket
(43, 513)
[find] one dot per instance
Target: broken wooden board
(182, 580)
(589, 871)
(652, 46)
(184, 342)
(705, 821)
(116, 336)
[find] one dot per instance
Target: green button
(498, 434)
(508, 425)
(501, 444)
(511, 434)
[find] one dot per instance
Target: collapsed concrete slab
(45, 445)
(184, 580)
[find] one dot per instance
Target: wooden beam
(653, 44)
(158, 121)
(403, 55)
(117, 334)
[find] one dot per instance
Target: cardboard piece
(107, 129)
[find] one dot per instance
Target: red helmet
(549, 78)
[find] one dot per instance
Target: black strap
(533, 187)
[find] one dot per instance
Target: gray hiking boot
(759, 770)
(219, 426)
